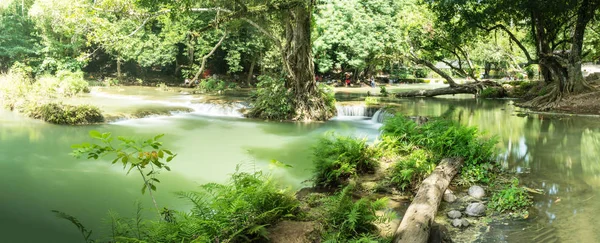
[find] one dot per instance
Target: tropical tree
(556, 28)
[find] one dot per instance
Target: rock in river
(454, 214)
(449, 196)
(475, 209)
(460, 223)
(476, 192)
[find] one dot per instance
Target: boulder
(475, 209)
(476, 192)
(454, 214)
(465, 223)
(449, 196)
(457, 223)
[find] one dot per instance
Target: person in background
(372, 81)
(347, 82)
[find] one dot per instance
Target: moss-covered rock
(63, 114)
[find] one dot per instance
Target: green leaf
(95, 134)
(125, 159)
(169, 158)
(115, 161)
(168, 151)
(158, 136)
(154, 179)
(160, 154)
(153, 187)
(144, 189)
(168, 168)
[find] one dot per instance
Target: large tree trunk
(562, 69)
(298, 62)
(419, 216)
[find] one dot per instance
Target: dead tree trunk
(470, 88)
(419, 216)
(205, 57)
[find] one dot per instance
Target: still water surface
(557, 154)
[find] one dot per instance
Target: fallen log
(419, 216)
(470, 88)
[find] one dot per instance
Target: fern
(85, 233)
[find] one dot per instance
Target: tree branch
(204, 58)
(514, 38)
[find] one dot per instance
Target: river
(557, 154)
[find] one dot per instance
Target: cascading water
(380, 116)
(209, 109)
(355, 110)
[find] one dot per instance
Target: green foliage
(443, 139)
(338, 158)
(162, 87)
(272, 100)
(371, 101)
(63, 114)
(383, 91)
(143, 155)
(239, 211)
(65, 83)
(212, 85)
(491, 93)
(408, 172)
(512, 198)
(146, 156)
(85, 233)
(347, 220)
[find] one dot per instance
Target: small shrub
(422, 72)
(272, 100)
(65, 83)
(338, 158)
(383, 91)
(212, 85)
(163, 87)
(512, 198)
(347, 220)
(491, 93)
(63, 114)
(408, 172)
(371, 101)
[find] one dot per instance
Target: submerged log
(419, 217)
(470, 88)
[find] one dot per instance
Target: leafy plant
(383, 91)
(146, 156)
(338, 158)
(348, 220)
(162, 87)
(85, 233)
(272, 100)
(491, 93)
(212, 85)
(443, 139)
(371, 101)
(408, 172)
(512, 198)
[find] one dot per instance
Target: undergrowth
(349, 220)
(432, 142)
(338, 158)
(212, 85)
(512, 199)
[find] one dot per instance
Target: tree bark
(470, 88)
(250, 73)
(298, 62)
(419, 216)
(118, 67)
(436, 70)
(205, 57)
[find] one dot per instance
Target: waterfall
(380, 116)
(210, 109)
(355, 110)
